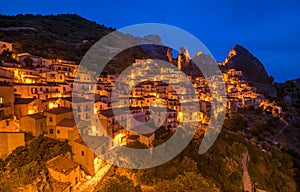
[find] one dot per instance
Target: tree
(189, 181)
(117, 183)
(235, 122)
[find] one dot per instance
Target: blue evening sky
(269, 29)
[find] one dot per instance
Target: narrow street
(90, 184)
(281, 130)
(246, 177)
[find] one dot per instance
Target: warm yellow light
(30, 111)
(180, 116)
(120, 139)
(94, 130)
(51, 105)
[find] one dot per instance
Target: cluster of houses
(36, 96)
(241, 94)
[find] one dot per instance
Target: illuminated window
(1, 100)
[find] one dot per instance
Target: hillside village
(36, 97)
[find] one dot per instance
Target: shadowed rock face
(241, 59)
(253, 70)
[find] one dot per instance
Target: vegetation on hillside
(64, 36)
(220, 168)
(26, 165)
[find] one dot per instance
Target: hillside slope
(65, 36)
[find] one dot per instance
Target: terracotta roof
(59, 186)
(62, 164)
(66, 123)
(59, 110)
(144, 130)
(37, 116)
(93, 142)
(67, 98)
(76, 99)
(111, 113)
(133, 137)
(52, 99)
(81, 100)
(24, 100)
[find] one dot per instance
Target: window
(1, 100)
(82, 153)
(50, 119)
(51, 131)
(33, 90)
(58, 131)
(41, 89)
(7, 123)
(15, 90)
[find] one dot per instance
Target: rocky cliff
(253, 70)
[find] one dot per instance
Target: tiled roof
(24, 100)
(37, 116)
(66, 123)
(62, 164)
(93, 142)
(59, 186)
(59, 110)
(77, 99)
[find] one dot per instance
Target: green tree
(189, 181)
(117, 183)
(235, 122)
